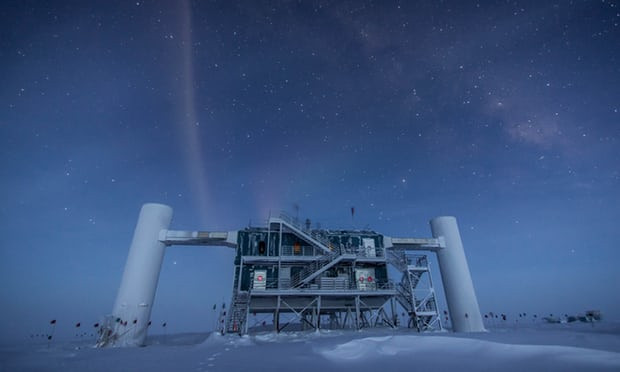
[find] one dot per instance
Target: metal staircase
(238, 312)
(419, 302)
(331, 256)
(312, 237)
(317, 267)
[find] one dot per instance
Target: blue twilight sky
(504, 114)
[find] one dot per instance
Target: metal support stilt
(276, 319)
(318, 313)
(357, 312)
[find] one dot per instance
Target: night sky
(503, 114)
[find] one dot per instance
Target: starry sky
(504, 114)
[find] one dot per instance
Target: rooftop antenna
(353, 216)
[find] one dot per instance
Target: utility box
(260, 280)
(366, 280)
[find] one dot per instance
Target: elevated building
(316, 278)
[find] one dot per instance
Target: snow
(476, 354)
(561, 347)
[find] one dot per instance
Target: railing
(290, 250)
(405, 294)
(237, 312)
(401, 260)
(362, 253)
(307, 251)
(427, 303)
(329, 284)
(418, 260)
(397, 259)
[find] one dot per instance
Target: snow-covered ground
(541, 347)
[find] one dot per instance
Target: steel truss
(415, 292)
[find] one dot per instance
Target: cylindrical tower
(457, 283)
(132, 309)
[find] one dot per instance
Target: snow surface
(577, 347)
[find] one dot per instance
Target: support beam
(298, 314)
(393, 310)
(318, 313)
(413, 244)
(357, 313)
(134, 301)
(457, 283)
(276, 316)
(207, 238)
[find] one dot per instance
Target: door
(369, 247)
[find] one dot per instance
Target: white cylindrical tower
(457, 283)
(132, 309)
